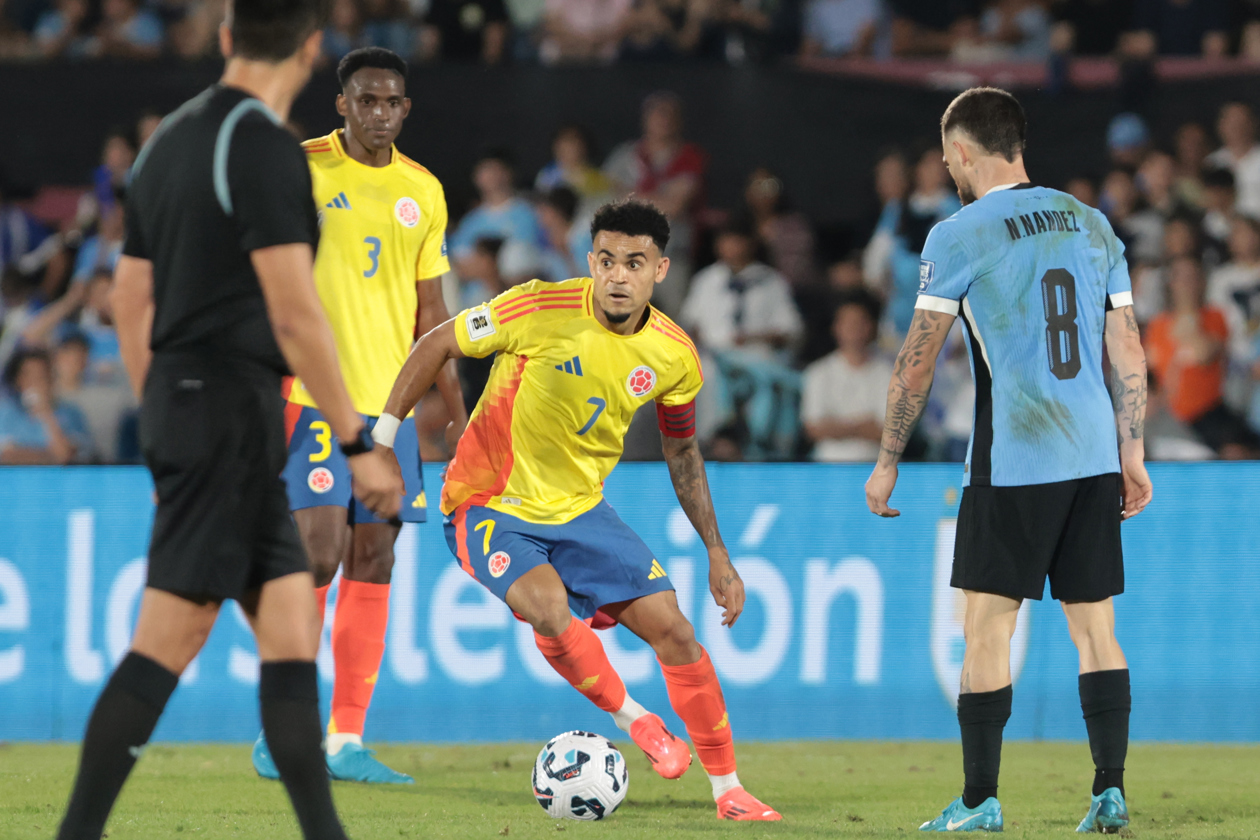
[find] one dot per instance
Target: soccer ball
(580, 776)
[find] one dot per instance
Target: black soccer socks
(982, 717)
(120, 726)
(1105, 702)
(289, 696)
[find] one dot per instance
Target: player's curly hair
(633, 218)
(990, 116)
(355, 60)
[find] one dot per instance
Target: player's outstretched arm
(433, 313)
(286, 275)
(907, 397)
(691, 485)
(132, 303)
(1128, 398)
(434, 349)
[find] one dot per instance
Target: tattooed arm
(1128, 398)
(907, 397)
(686, 470)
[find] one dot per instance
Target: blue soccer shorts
(599, 559)
(317, 473)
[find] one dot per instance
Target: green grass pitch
(823, 789)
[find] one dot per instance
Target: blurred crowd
(602, 31)
(796, 332)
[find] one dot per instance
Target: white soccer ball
(580, 776)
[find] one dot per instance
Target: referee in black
(215, 300)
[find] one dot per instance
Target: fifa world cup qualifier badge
(927, 270)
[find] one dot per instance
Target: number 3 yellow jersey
(381, 229)
(550, 425)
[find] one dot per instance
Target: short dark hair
(77, 338)
(633, 218)
(273, 30)
(563, 200)
(499, 154)
(860, 298)
(991, 117)
(379, 57)
(21, 357)
(739, 224)
(1218, 177)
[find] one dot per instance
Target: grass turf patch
(823, 789)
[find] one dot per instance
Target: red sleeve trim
(677, 421)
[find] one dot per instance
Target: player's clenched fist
(726, 585)
(879, 489)
(378, 481)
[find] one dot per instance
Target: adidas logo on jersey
(658, 571)
(340, 202)
(574, 365)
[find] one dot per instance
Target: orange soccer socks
(578, 656)
(358, 643)
(696, 696)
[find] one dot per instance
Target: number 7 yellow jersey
(382, 229)
(550, 425)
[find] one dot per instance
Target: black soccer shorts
(213, 438)
(1010, 539)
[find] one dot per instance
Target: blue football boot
(958, 817)
(263, 763)
(1107, 813)
(353, 763)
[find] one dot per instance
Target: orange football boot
(739, 804)
(670, 757)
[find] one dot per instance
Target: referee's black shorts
(213, 437)
(1010, 539)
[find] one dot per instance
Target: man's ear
(662, 268)
(343, 105)
(225, 39)
(961, 149)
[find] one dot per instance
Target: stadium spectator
(930, 202)
(480, 276)
(840, 27)
(1016, 30)
(146, 124)
(21, 234)
(103, 405)
(465, 30)
(930, 27)
(36, 428)
(1186, 348)
(101, 250)
(19, 301)
(564, 255)
(739, 302)
(785, 233)
(664, 169)
(1083, 189)
(194, 33)
(1246, 26)
(579, 31)
(1128, 140)
(845, 392)
(344, 31)
(1234, 288)
(1090, 27)
(525, 21)
(500, 213)
(665, 29)
(1190, 145)
(892, 184)
(84, 310)
(126, 31)
(1141, 233)
(572, 148)
(15, 42)
(1180, 27)
(1218, 212)
(1240, 154)
(1150, 282)
(62, 30)
(386, 24)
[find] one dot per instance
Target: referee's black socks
(1105, 702)
(982, 716)
(289, 696)
(120, 726)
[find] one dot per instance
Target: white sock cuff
(722, 784)
(629, 712)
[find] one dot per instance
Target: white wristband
(385, 429)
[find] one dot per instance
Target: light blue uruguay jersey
(1033, 272)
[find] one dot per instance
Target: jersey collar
(1006, 187)
(339, 147)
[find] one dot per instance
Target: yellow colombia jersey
(551, 422)
(381, 230)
